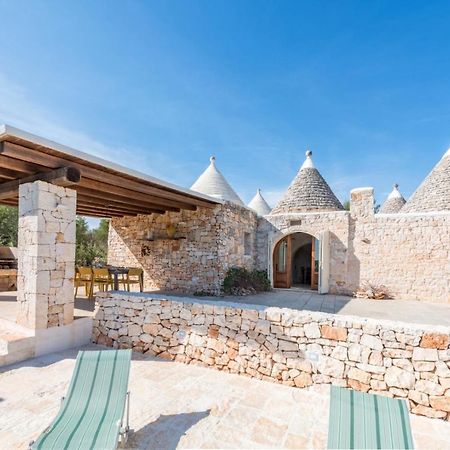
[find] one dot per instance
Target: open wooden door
(314, 262)
(282, 264)
(324, 263)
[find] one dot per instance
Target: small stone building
(308, 240)
(189, 251)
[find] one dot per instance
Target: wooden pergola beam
(18, 165)
(119, 192)
(96, 212)
(7, 174)
(109, 198)
(64, 176)
(87, 210)
(114, 206)
(32, 156)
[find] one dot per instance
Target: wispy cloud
(18, 109)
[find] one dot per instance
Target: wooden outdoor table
(115, 272)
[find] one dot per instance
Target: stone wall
(407, 253)
(410, 254)
(46, 255)
(296, 348)
(207, 242)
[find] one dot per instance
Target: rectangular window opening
(247, 244)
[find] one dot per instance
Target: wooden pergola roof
(104, 189)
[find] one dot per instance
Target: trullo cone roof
(434, 192)
(394, 202)
(259, 204)
(212, 182)
(308, 192)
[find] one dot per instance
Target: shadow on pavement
(165, 432)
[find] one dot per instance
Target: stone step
(15, 347)
(11, 342)
(16, 356)
(17, 343)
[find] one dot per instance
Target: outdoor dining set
(108, 278)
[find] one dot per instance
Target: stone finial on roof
(212, 182)
(394, 202)
(308, 163)
(308, 192)
(259, 204)
(434, 192)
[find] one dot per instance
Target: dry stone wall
(206, 243)
(407, 253)
(410, 254)
(296, 348)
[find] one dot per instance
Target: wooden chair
(133, 277)
(102, 279)
(83, 278)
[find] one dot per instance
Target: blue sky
(160, 86)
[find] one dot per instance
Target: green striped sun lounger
(91, 416)
(367, 421)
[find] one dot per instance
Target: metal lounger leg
(128, 411)
(126, 430)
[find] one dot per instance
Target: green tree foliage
(346, 205)
(92, 245)
(9, 222)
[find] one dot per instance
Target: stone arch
(282, 259)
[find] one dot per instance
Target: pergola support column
(46, 255)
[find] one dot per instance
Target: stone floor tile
(269, 432)
(297, 441)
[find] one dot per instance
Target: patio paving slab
(174, 405)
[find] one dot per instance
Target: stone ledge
(399, 325)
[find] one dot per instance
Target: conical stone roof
(434, 192)
(212, 182)
(308, 192)
(259, 204)
(394, 202)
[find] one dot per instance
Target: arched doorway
(296, 261)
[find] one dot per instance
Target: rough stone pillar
(362, 202)
(46, 259)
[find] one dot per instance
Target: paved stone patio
(174, 405)
(425, 313)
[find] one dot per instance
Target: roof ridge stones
(308, 192)
(433, 194)
(394, 202)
